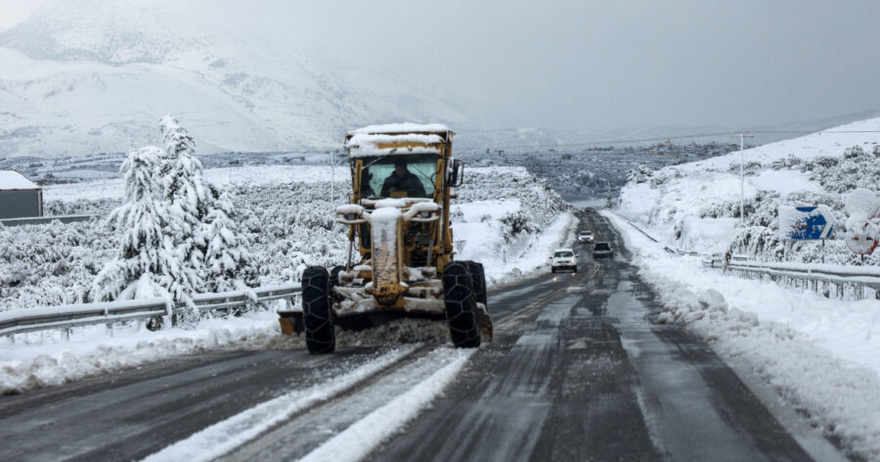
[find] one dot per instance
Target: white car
(564, 259)
(585, 237)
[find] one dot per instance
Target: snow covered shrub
(517, 223)
(539, 200)
(642, 174)
(761, 243)
(787, 163)
(855, 169)
(37, 259)
(290, 226)
(97, 207)
(750, 168)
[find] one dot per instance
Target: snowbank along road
(577, 371)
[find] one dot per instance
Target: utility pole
(332, 177)
(742, 194)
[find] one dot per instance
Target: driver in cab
(402, 183)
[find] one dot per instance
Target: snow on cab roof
(406, 127)
(403, 138)
(12, 180)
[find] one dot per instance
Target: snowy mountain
(88, 76)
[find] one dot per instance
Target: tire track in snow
(223, 437)
(365, 435)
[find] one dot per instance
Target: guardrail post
(169, 314)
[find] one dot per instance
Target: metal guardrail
(237, 298)
(45, 220)
(68, 316)
(857, 282)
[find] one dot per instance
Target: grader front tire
(320, 333)
(458, 296)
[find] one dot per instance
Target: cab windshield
(399, 176)
(564, 254)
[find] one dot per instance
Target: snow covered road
(578, 370)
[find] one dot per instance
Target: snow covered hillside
(695, 206)
(87, 76)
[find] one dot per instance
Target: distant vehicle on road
(602, 250)
(585, 237)
(564, 259)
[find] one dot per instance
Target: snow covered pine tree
(227, 261)
(141, 267)
(174, 222)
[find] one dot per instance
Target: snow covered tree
(178, 229)
(227, 261)
(187, 201)
(206, 238)
(145, 265)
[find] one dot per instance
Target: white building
(19, 197)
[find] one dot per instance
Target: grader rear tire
(320, 333)
(478, 275)
(458, 296)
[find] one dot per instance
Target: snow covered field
(42, 359)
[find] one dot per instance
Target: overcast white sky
(584, 63)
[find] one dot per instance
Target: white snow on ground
(45, 358)
(478, 237)
(784, 181)
(819, 354)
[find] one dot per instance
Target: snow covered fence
(842, 282)
(68, 316)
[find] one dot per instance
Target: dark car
(602, 250)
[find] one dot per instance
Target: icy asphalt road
(577, 372)
(581, 373)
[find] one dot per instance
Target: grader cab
(401, 259)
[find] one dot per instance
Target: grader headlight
(423, 212)
(350, 214)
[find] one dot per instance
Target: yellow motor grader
(402, 179)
